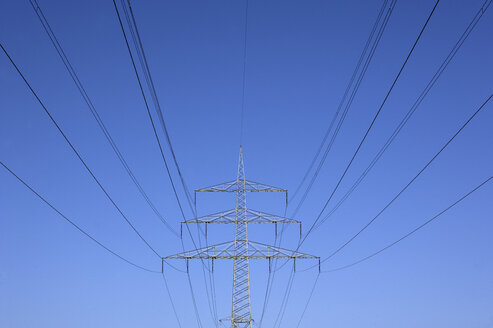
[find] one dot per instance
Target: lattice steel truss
(241, 250)
(252, 217)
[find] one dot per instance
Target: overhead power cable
(371, 44)
(194, 301)
(130, 19)
(245, 39)
(411, 181)
(289, 289)
(141, 56)
(54, 40)
(312, 227)
(416, 104)
(88, 235)
(371, 124)
(212, 295)
(156, 135)
(171, 299)
(148, 109)
(132, 25)
(264, 306)
(412, 231)
(308, 301)
(129, 15)
(398, 240)
(370, 127)
(272, 275)
(363, 64)
(284, 301)
(77, 153)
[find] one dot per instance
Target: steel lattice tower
(242, 313)
(241, 250)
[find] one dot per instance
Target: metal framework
(229, 217)
(241, 250)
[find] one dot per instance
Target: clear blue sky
(300, 57)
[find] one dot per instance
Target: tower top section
(249, 186)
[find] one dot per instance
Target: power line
(265, 298)
(204, 267)
(212, 302)
(371, 124)
(210, 296)
(242, 115)
(370, 127)
(271, 277)
(72, 222)
(131, 22)
(414, 230)
(77, 153)
(366, 64)
(194, 301)
(410, 182)
(148, 109)
(347, 107)
(416, 104)
(270, 282)
(308, 301)
(409, 233)
(150, 83)
(290, 287)
(284, 301)
(54, 40)
(171, 299)
(173, 267)
(143, 61)
(156, 135)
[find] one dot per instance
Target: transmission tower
(241, 250)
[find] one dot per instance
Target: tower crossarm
(250, 186)
(252, 217)
(256, 251)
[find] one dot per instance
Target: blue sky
(300, 56)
